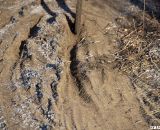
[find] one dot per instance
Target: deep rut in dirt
(76, 74)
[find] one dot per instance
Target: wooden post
(144, 9)
(78, 17)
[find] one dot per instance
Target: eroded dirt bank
(49, 80)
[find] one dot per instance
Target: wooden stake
(144, 9)
(78, 17)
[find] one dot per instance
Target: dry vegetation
(139, 57)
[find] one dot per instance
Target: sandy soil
(48, 80)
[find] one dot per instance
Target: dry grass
(138, 56)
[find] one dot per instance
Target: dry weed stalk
(138, 56)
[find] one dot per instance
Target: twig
(144, 9)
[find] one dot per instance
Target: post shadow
(62, 4)
(49, 11)
(70, 24)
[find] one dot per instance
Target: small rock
(13, 19)
(2, 125)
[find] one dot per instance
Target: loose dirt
(50, 80)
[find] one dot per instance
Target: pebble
(125, 30)
(13, 19)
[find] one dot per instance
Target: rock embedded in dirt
(13, 19)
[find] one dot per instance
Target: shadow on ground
(49, 11)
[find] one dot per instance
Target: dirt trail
(99, 98)
(49, 81)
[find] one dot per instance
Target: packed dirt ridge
(52, 79)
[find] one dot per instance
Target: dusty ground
(48, 80)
